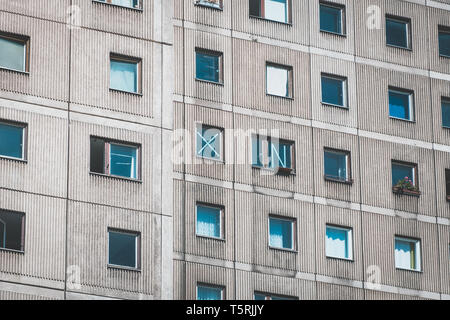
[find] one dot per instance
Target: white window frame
(409, 165)
(293, 222)
(411, 106)
(348, 171)
(407, 22)
(222, 220)
(132, 60)
(199, 128)
(417, 249)
(137, 247)
(349, 231)
(267, 141)
(210, 286)
(290, 79)
(24, 139)
(339, 7)
(25, 40)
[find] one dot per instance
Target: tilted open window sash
(272, 153)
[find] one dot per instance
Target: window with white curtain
(274, 10)
(125, 74)
(14, 52)
(209, 221)
(136, 4)
(281, 233)
(209, 292)
(407, 254)
(279, 80)
(339, 242)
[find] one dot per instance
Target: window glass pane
(276, 10)
(208, 142)
(399, 105)
(280, 233)
(405, 255)
(123, 161)
(444, 43)
(447, 181)
(277, 81)
(12, 54)
(332, 91)
(208, 221)
(257, 155)
(207, 67)
(336, 165)
(255, 8)
(397, 33)
(400, 172)
(97, 155)
(330, 19)
(209, 293)
(11, 230)
(11, 141)
(446, 113)
(337, 243)
(122, 249)
(124, 76)
(259, 296)
(280, 155)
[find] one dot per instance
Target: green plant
(406, 184)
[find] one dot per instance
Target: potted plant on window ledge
(406, 186)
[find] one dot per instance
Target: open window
(334, 90)
(274, 10)
(407, 254)
(337, 165)
(274, 154)
(12, 230)
(14, 52)
(404, 178)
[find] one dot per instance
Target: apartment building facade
(224, 149)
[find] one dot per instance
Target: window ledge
(401, 119)
(25, 73)
(342, 35)
(398, 47)
(210, 238)
(203, 5)
(289, 24)
(407, 192)
(12, 251)
(408, 270)
(206, 159)
(123, 268)
(126, 92)
(283, 250)
(331, 179)
(340, 259)
(115, 177)
(282, 97)
(275, 171)
(211, 82)
(444, 56)
(118, 6)
(24, 161)
(327, 104)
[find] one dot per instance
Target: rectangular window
(279, 80)
(334, 90)
(14, 52)
(445, 112)
(136, 4)
(401, 104)
(274, 10)
(209, 221)
(332, 18)
(281, 233)
(398, 32)
(115, 158)
(124, 248)
(407, 253)
(217, 4)
(125, 74)
(209, 292)
(274, 154)
(447, 183)
(339, 242)
(12, 230)
(209, 65)
(269, 296)
(403, 173)
(209, 142)
(444, 41)
(12, 140)
(337, 165)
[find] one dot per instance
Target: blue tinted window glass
(280, 233)
(257, 152)
(337, 244)
(11, 141)
(123, 161)
(207, 67)
(336, 165)
(399, 105)
(400, 172)
(208, 221)
(444, 44)
(330, 19)
(397, 33)
(123, 76)
(333, 91)
(12, 54)
(280, 155)
(125, 3)
(209, 293)
(260, 296)
(446, 113)
(208, 142)
(122, 249)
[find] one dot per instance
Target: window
(279, 80)
(124, 249)
(447, 183)
(136, 4)
(272, 153)
(445, 112)
(209, 142)
(407, 253)
(404, 173)
(217, 4)
(339, 242)
(12, 230)
(401, 104)
(444, 41)
(125, 74)
(114, 158)
(332, 18)
(208, 292)
(269, 296)
(337, 165)
(334, 90)
(12, 140)
(210, 221)
(14, 52)
(275, 10)
(209, 65)
(398, 32)
(281, 233)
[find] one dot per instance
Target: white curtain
(277, 81)
(404, 254)
(123, 76)
(337, 243)
(275, 10)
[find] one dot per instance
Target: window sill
(401, 119)
(211, 82)
(398, 47)
(275, 171)
(207, 6)
(407, 192)
(289, 24)
(118, 6)
(342, 35)
(126, 92)
(12, 251)
(122, 268)
(210, 238)
(24, 161)
(282, 97)
(331, 179)
(408, 270)
(326, 104)
(444, 56)
(25, 73)
(219, 161)
(115, 177)
(340, 259)
(283, 250)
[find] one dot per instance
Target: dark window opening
(12, 228)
